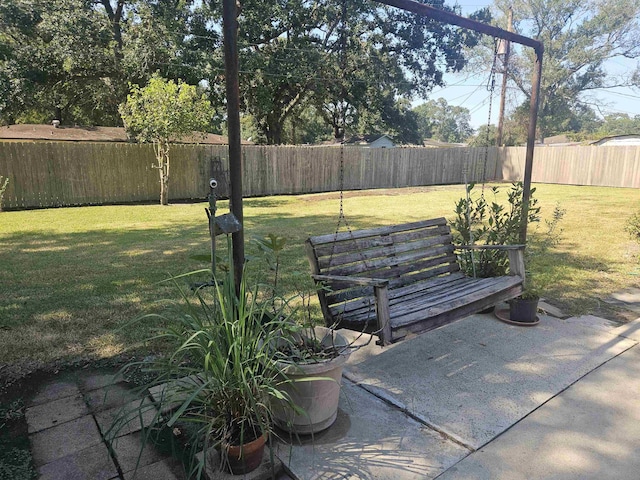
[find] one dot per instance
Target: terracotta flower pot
(245, 458)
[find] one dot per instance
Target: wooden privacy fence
(43, 174)
(598, 166)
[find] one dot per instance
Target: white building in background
(370, 141)
(618, 141)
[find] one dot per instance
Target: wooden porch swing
(399, 279)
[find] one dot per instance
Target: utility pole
(504, 48)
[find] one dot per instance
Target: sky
(471, 92)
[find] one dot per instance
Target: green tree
(579, 37)
(486, 136)
(74, 59)
(447, 123)
(619, 124)
(346, 63)
(55, 61)
(162, 112)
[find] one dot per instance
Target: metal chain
(491, 87)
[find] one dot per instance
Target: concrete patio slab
(370, 439)
(93, 463)
(57, 442)
(589, 431)
(492, 372)
(54, 391)
(57, 412)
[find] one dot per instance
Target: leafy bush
(479, 221)
(633, 226)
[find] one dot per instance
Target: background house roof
(90, 134)
(438, 144)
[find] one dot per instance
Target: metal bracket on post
(218, 225)
(211, 216)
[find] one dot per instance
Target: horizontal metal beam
(447, 17)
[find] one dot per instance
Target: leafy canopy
(447, 123)
(165, 111)
(580, 37)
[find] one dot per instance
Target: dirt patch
(598, 308)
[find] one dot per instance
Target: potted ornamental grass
(220, 378)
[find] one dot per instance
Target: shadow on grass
(69, 295)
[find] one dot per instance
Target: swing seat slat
(403, 279)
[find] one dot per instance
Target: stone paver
(66, 439)
(54, 391)
(552, 310)
(130, 454)
(112, 396)
(57, 412)
(266, 471)
(629, 330)
(172, 394)
(93, 463)
(130, 418)
(628, 298)
(162, 470)
(89, 381)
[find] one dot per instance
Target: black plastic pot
(523, 310)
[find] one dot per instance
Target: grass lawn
(71, 277)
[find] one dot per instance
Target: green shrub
(480, 221)
(633, 226)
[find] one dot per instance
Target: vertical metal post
(230, 31)
(531, 140)
(505, 67)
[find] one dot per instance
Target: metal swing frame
(230, 34)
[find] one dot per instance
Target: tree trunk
(162, 156)
(115, 17)
(274, 134)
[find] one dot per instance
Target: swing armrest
(349, 281)
(380, 291)
(515, 252)
(490, 247)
